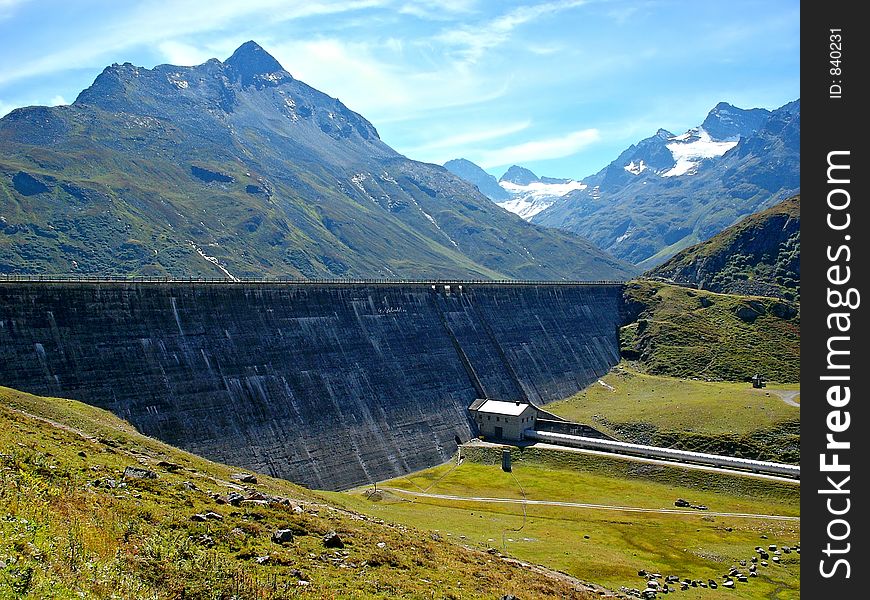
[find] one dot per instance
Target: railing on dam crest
(74, 278)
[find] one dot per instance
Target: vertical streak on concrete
(175, 312)
(472, 375)
(500, 351)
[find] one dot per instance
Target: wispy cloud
(554, 147)
(472, 41)
(472, 137)
(178, 53)
(7, 7)
(384, 90)
(437, 10)
(162, 22)
(445, 148)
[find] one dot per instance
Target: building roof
(499, 407)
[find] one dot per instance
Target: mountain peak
(728, 122)
(250, 60)
(519, 175)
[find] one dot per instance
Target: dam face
(327, 385)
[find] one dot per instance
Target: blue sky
(559, 86)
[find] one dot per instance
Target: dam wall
(328, 385)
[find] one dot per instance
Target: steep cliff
(327, 385)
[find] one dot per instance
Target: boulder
(244, 477)
(139, 473)
(332, 540)
(747, 314)
(282, 536)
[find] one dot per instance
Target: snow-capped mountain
(670, 191)
(667, 191)
(667, 155)
(519, 190)
(530, 194)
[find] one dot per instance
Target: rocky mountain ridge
(237, 169)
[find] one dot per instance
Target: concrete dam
(330, 385)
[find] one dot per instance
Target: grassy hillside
(720, 417)
(689, 333)
(91, 509)
(606, 542)
(759, 255)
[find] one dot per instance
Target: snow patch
(690, 148)
(387, 177)
(438, 227)
(177, 79)
(357, 180)
(625, 235)
(635, 169)
(290, 104)
(529, 200)
(543, 189)
(213, 261)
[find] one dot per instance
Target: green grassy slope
(690, 333)
(720, 417)
(75, 526)
(759, 255)
(609, 544)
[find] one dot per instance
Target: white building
(501, 420)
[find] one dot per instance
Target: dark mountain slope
(758, 256)
(470, 172)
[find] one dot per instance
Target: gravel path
(666, 511)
